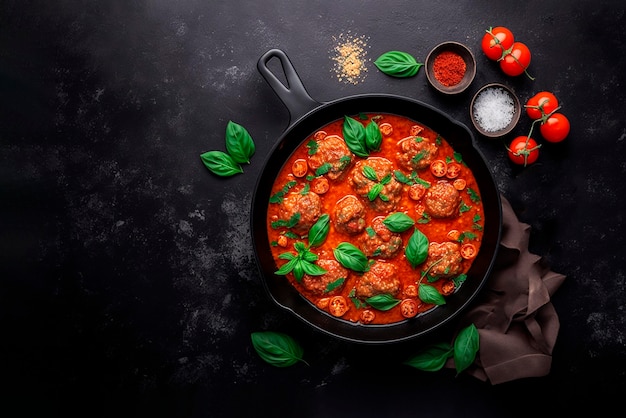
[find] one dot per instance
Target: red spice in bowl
(450, 67)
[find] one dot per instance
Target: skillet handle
(294, 95)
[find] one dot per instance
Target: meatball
(334, 151)
(416, 152)
(318, 285)
(444, 259)
(379, 241)
(308, 206)
(349, 215)
(442, 200)
(389, 193)
(380, 279)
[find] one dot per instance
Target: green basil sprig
(277, 349)
(361, 140)
(239, 143)
(398, 222)
(303, 262)
(398, 64)
(382, 302)
(416, 250)
(464, 349)
(220, 163)
(240, 148)
(351, 257)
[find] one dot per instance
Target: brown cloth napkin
(516, 320)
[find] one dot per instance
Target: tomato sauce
(463, 228)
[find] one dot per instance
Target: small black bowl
(514, 118)
(470, 67)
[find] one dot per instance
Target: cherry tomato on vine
(555, 128)
(496, 41)
(542, 103)
(523, 150)
(517, 60)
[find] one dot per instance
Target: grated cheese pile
(350, 58)
(494, 109)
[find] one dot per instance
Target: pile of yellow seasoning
(350, 57)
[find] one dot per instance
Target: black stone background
(129, 285)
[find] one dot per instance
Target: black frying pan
(307, 116)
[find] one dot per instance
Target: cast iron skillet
(307, 116)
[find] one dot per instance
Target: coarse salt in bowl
(495, 110)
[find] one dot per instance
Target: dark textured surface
(129, 285)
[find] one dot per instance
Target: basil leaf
(334, 285)
(382, 302)
(398, 222)
(319, 231)
(373, 137)
(298, 269)
(220, 163)
(416, 249)
(398, 64)
(354, 135)
(313, 269)
(430, 294)
(370, 173)
(309, 256)
(431, 359)
(239, 143)
(375, 191)
(276, 348)
(351, 257)
(287, 267)
(466, 345)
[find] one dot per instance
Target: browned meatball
(381, 278)
(349, 215)
(442, 200)
(416, 152)
(389, 195)
(444, 259)
(308, 206)
(379, 241)
(334, 151)
(318, 285)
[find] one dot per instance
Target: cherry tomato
(417, 191)
(555, 128)
(468, 251)
(459, 184)
(408, 308)
(542, 103)
(438, 168)
(517, 60)
(453, 234)
(447, 288)
(338, 306)
(453, 170)
(496, 41)
(299, 167)
(320, 185)
(385, 128)
(367, 316)
(522, 152)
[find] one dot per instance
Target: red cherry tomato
(496, 41)
(408, 308)
(517, 60)
(439, 168)
(555, 128)
(523, 150)
(338, 305)
(542, 103)
(468, 251)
